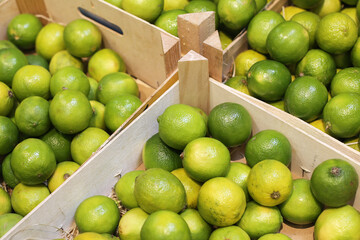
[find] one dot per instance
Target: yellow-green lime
(9, 135)
(289, 11)
(351, 12)
(7, 172)
(90, 236)
(6, 44)
(225, 40)
(346, 81)
(11, 60)
(7, 221)
(309, 21)
(199, 228)
(279, 104)
(59, 143)
(168, 21)
(203, 6)
(131, 223)
(239, 173)
(63, 59)
(245, 60)
(124, 189)
(93, 87)
(327, 7)
(238, 83)
(319, 124)
(175, 4)
(50, 40)
(98, 118)
(355, 54)
(260, 4)
(5, 203)
(62, 172)
(306, 3)
(274, 236)
(350, 2)
(231, 232)
(353, 143)
(191, 186)
(149, 10)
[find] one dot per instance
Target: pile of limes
(192, 190)
(53, 116)
(306, 61)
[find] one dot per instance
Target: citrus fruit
(236, 14)
(225, 40)
(351, 12)
(98, 214)
(70, 111)
(131, 223)
(268, 80)
(103, 62)
(98, 118)
(260, 27)
(63, 59)
(288, 42)
(23, 29)
(9, 135)
(239, 173)
(149, 10)
(305, 98)
(268, 144)
(93, 87)
(230, 123)
(221, 202)
(180, 124)
(168, 21)
(191, 187)
(206, 158)
(346, 81)
(38, 61)
(31, 80)
(11, 60)
(318, 64)
(260, 4)
(156, 154)
(203, 6)
(86, 143)
(274, 236)
(7, 221)
(59, 143)
(7, 172)
(289, 11)
(164, 225)
(199, 229)
(355, 54)
(306, 3)
(50, 40)
(326, 7)
(334, 182)
(6, 44)
(342, 60)
(310, 22)
(238, 83)
(32, 116)
(5, 203)
(124, 189)
(231, 233)
(350, 2)
(336, 33)
(175, 4)
(157, 189)
(119, 109)
(279, 104)
(69, 78)
(353, 143)
(338, 223)
(25, 198)
(301, 207)
(82, 38)
(246, 59)
(62, 172)
(340, 115)
(270, 183)
(90, 236)
(114, 85)
(255, 215)
(33, 161)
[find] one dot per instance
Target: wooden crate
(55, 216)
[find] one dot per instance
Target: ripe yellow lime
(25, 198)
(175, 4)
(255, 215)
(346, 81)
(5, 203)
(270, 183)
(82, 38)
(231, 232)
(149, 10)
(306, 3)
(239, 173)
(260, 27)
(289, 11)
(93, 87)
(7, 173)
(310, 22)
(90, 236)
(164, 225)
(124, 189)
(50, 40)
(32, 116)
(327, 7)
(203, 6)
(179, 125)
(7, 221)
(245, 60)
(11, 60)
(63, 59)
(274, 236)
(319, 124)
(131, 223)
(157, 189)
(98, 118)
(37, 60)
(23, 29)
(156, 154)
(7, 99)
(59, 143)
(168, 21)
(191, 187)
(238, 83)
(9, 135)
(97, 214)
(221, 202)
(199, 228)
(105, 61)
(62, 172)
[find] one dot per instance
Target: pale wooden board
(8, 10)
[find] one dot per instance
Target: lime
(157, 189)
(203, 6)
(175, 4)
(180, 124)
(124, 189)
(274, 236)
(238, 83)
(93, 87)
(23, 29)
(168, 21)
(131, 223)
(98, 118)
(350, 2)
(6, 44)
(230, 123)
(306, 3)
(225, 39)
(351, 12)
(334, 182)
(97, 214)
(260, 27)
(221, 202)
(7, 99)
(289, 11)
(255, 215)
(32, 116)
(33, 161)
(50, 40)
(90, 236)
(239, 173)
(164, 225)
(82, 38)
(59, 143)
(156, 154)
(327, 7)
(310, 22)
(9, 135)
(62, 172)
(353, 143)
(63, 59)
(268, 80)
(343, 60)
(25, 198)
(245, 60)
(7, 221)
(119, 109)
(116, 3)
(5, 203)
(11, 60)
(7, 172)
(355, 54)
(38, 61)
(199, 229)
(149, 10)
(346, 81)
(231, 233)
(279, 104)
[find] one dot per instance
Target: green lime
(239, 173)
(63, 59)
(5, 203)
(7, 172)
(238, 83)
(149, 10)
(124, 189)
(6, 44)
(327, 7)
(306, 3)
(274, 236)
(343, 60)
(38, 61)
(203, 6)
(310, 22)
(7, 99)
(199, 228)
(225, 40)
(355, 54)
(59, 143)
(168, 21)
(9, 135)
(93, 87)
(98, 118)
(50, 40)
(7, 221)
(346, 81)
(231, 233)
(11, 60)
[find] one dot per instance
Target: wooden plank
(36, 7)
(8, 10)
(277, 5)
(194, 80)
(213, 51)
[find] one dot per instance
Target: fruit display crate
(54, 217)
